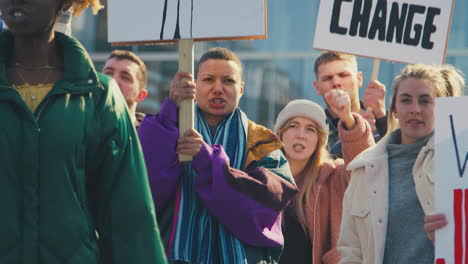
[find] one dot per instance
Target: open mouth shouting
(217, 102)
(298, 147)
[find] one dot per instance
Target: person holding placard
(392, 185)
(225, 205)
(335, 70)
(311, 224)
(73, 181)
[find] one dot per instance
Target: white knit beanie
(302, 108)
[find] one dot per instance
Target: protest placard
(153, 21)
(408, 31)
(183, 21)
(451, 179)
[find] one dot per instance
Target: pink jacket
(324, 219)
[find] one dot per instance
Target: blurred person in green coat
(73, 183)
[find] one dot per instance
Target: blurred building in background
(276, 70)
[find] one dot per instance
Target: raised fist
(340, 103)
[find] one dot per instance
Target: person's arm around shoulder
(158, 135)
(118, 188)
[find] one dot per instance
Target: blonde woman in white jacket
(392, 184)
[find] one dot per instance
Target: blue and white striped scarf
(199, 238)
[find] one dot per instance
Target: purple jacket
(248, 203)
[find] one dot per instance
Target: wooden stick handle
(186, 117)
(375, 70)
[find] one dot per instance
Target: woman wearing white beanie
(312, 222)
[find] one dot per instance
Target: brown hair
(446, 80)
(329, 56)
(309, 174)
(220, 54)
(128, 55)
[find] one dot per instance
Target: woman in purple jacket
(225, 206)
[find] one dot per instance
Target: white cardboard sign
(451, 178)
(408, 31)
(169, 20)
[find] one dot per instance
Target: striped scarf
(199, 238)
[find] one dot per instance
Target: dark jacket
(73, 184)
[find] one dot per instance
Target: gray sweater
(406, 240)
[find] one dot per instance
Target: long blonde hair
(309, 174)
(446, 80)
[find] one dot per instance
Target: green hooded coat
(73, 183)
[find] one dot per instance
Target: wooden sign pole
(251, 26)
(186, 117)
(375, 70)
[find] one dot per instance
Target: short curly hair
(80, 5)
